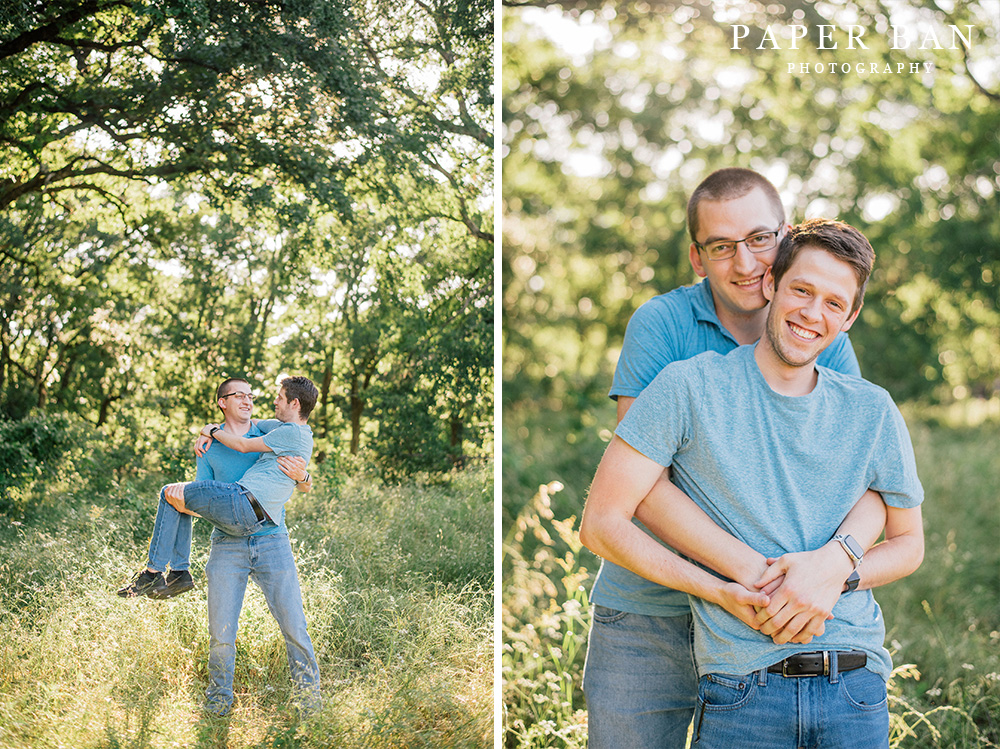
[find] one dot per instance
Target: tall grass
(396, 585)
(943, 622)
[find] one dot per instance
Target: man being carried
(773, 449)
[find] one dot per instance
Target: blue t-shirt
(221, 463)
(265, 479)
(779, 473)
(673, 327)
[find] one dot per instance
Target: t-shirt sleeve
(204, 470)
(284, 440)
(264, 426)
(658, 423)
(894, 466)
(840, 357)
(651, 343)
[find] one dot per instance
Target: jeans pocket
(864, 690)
(725, 691)
(605, 615)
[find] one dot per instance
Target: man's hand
(201, 445)
(803, 602)
(174, 494)
(294, 467)
(742, 603)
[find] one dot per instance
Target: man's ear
(767, 284)
(850, 320)
(695, 257)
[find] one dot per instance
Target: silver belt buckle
(826, 667)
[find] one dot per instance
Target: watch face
(854, 546)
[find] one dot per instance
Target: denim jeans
(770, 711)
(268, 560)
(223, 505)
(639, 680)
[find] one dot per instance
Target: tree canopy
(190, 190)
(612, 114)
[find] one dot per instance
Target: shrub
(29, 448)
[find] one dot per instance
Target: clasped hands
(793, 597)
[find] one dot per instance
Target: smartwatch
(852, 547)
(852, 581)
(213, 430)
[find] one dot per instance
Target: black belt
(257, 509)
(818, 664)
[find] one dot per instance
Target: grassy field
(397, 586)
(943, 622)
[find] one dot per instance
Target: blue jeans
(639, 680)
(268, 560)
(223, 505)
(770, 711)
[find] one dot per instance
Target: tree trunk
(357, 408)
(456, 437)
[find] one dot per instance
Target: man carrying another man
(244, 498)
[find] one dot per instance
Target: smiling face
(234, 402)
(283, 409)
(737, 281)
(810, 306)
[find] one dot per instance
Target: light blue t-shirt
(780, 473)
(673, 327)
(221, 463)
(265, 479)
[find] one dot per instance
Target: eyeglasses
(240, 396)
(726, 248)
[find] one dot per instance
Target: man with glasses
(639, 679)
(773, 449)
(245, 476)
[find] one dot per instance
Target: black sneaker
(174, 584)
(141, 584)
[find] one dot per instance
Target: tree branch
(51, 30)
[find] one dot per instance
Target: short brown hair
(221, 390)
(303, 389)
(729, 184)
(841, 240)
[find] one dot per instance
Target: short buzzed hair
(729, 184)
(303, 389)
(224, 387)
(841, 240)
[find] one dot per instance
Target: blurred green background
(612, 114)
(611, 117)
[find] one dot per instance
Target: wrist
(840, 563)
(750, 569)
(305, 479)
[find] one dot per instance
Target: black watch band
(852, 581)
(213, 430)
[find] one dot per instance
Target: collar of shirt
(703, 306)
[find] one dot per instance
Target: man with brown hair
(250, 539)
(640, 680)
(772, 449)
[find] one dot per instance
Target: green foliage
(194, 190)
(402, 629)
(942, 622)
(26, 447)
(545, 624)
(612, 115)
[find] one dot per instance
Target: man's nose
(744, 260)
(811, 310)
